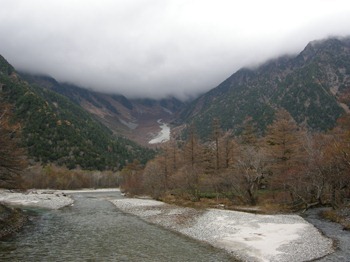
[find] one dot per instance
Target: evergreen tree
(12, 159)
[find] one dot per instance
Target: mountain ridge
(55, 130)
(311, 85)
(136, 119)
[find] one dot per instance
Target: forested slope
(54, 129)
(313, 87)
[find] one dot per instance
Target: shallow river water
(93, 229)
(334, 231)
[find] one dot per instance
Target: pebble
(221, 229)
(45, 199)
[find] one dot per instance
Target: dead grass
(337, 217)
(186, 201)
(224, 203)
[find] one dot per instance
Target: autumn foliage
(286, 166)
(57, 177)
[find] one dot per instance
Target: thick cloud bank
(156, 48)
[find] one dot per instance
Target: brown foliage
(132, 178)
(55, 177)
(12, 157)
(288, 166)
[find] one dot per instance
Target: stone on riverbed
(249, 237)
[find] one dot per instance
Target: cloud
(156, 48)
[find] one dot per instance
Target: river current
(93, 229)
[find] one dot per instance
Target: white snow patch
(163, 135)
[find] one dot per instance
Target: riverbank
(11, 220)
(52, 199)
(333, 230)
(248, 237)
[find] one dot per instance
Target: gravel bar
(248, 237)
(51, 199)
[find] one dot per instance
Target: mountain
(136, 119)
(54, 129)
(314, 87)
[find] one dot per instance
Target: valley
(174, 130)
(313, 86)
(135, 119)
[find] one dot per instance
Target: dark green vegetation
(56, 130)
(135, 119)
(74, 93)
(310, 87)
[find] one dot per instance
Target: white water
(163, 135)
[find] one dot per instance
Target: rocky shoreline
(52, 199)
(11, 220)
(247, 237)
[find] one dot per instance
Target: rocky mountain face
(136, 119)
(314, 87)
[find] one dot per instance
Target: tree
(131, 176)
(249, 172)
(229, 145)
(248, 169)
(285, 153)
(154, 177)
(313, 184)
(192, 168)
(339, 161)
(216, 139)
(12, 157)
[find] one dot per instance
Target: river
(334, 231)
(93, 229)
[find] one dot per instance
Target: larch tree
(284, 150)
(131, 178)
(192, 168)
(155, 178)
(339, 161)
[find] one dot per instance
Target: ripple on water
(94, 230)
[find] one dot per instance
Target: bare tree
(249, 172)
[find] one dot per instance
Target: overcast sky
(156, 48)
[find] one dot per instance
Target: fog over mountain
(157, 48)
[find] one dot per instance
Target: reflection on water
(94, 230)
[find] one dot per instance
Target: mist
(159, 48)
